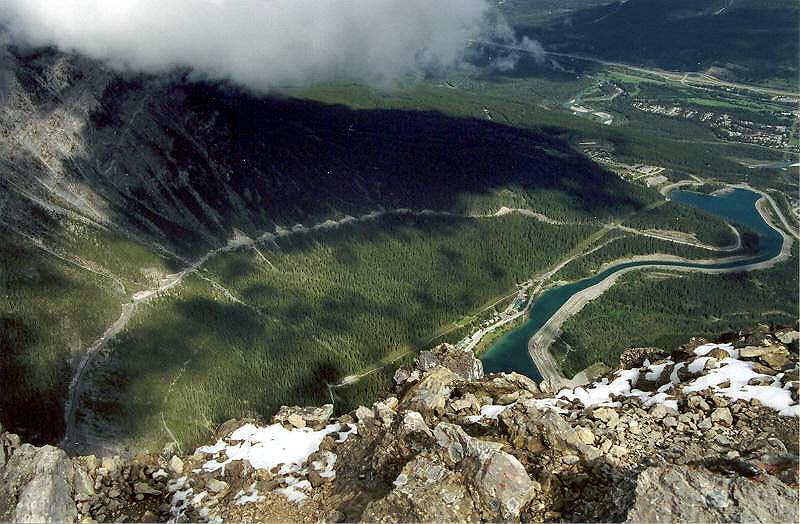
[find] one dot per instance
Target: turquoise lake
(510, 352)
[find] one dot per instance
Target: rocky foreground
(705, 433)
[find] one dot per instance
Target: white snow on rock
(344, 434)
(180, 493)
(600, 392)
(738, 373)
(674, 375)
(241, 498)
(698, 365)
(705, 349)
(294, 493)
(214, 449)
(655, 370)
(267, 447)
(489, 411)
(728, 378)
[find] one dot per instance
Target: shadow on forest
(204, 159)
(183, 164)
(39, 417)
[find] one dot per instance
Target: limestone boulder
(459, 478)
(536, 430)
(430, 396)
(36, 485)
(425, 491)
(675, 493)
(502, 388)
(296, 416)
(460, 361)
(408, 436)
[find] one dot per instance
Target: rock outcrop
(684, 494)
(707, 432)
(37, 485)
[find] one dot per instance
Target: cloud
(534, 48)
(262, 44)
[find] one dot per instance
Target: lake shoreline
(538, 344)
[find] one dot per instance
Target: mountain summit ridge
(448, 443)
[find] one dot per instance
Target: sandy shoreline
(539, 344)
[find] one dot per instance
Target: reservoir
(510, 352)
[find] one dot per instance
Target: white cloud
(262, 44)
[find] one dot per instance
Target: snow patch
(251, 497)
(489, 411)
(705, 349)
(267, 447)
(729, 378)
(655, 371)
(600, 392)
(293, 493)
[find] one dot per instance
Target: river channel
(510, 352)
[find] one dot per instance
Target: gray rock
(38, 482)
(607, 415)
(407, 437)
(217, 486)
(460, 361)
(658, 411)
(502, 484)
(384, 411)
(426, 361)
(533, 429)
(401, 375)
(143, 488)
(296, 420)
(776, 356)
(670, 421)
(499, 484)
(417, 498)
(684, 494)
(83, 485)
(619, 451)
(465, 479)
(365, 415)
(585, 435)
(467, 402)
(452, 440)
(722, 416)
(176, 465)
(788, 336)
(114, 463)
(313, 417)
(431, 394)
(503, 386)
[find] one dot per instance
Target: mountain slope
(129, 180)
